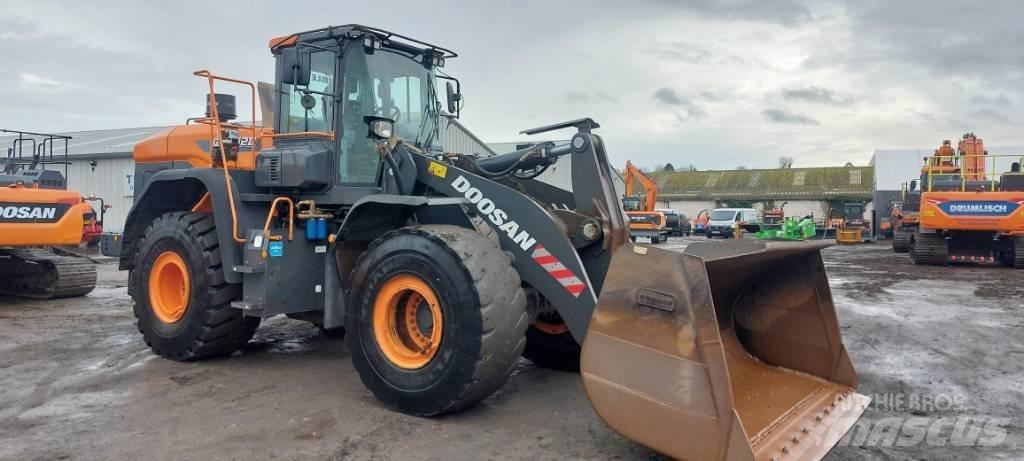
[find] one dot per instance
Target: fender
(180, 189)
(368, 218)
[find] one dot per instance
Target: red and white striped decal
(558, 270)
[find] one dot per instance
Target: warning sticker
(437, 169)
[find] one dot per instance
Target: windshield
(385, 84)
(631, 203)
(396, 86)
(722, 215)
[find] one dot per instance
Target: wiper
(429, 113)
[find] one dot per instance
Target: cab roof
(354, 31)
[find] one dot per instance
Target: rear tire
(179, 256)
(549, 344)
(478, 304)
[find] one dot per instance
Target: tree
(668, 167)
(741, 167)
(785, 162)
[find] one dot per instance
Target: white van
(722, 221)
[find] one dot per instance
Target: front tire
(437, 319)
(181, 301)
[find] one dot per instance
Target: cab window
(320, 89)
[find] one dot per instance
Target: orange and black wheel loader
(443, 268)
(38, 212)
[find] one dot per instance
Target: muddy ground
(940, 349)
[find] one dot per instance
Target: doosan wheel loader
(442, 268)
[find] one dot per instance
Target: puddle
(103, 292)
(74, 406)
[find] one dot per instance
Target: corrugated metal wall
(456, 138)
(106, 180)
(690, 208)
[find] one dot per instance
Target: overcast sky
(715, 84)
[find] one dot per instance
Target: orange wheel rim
(407, 322)
(169, 287)
(550, 328)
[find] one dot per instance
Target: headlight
(380, 127)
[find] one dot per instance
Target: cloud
(999, 100)
(690, 53)
(688, 110)
(668, 96)
(785, 12)
(727, 65)
(596, 97)
(814, 94)
(781, 116)
(991, 114)
(38, 81)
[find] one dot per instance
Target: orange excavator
(37, 211)
(966, 213)
(644, 220)
(905, 216)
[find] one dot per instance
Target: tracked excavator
(346, 211)
(645, 222)
(905, 216)
(38, 212)
(969, 211)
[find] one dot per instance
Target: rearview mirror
(913, 184)
(453, 99)
(295, 67)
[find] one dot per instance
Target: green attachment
(791, 229)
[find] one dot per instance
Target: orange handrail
(215, 134)
(270, 216)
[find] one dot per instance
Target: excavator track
(41, 274)
(1015, 257)
(930, 249)
(901, 241)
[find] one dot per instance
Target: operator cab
(331, 83)
(631, 203)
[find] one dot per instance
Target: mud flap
(732, 352)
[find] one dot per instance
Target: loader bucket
(727, 351)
